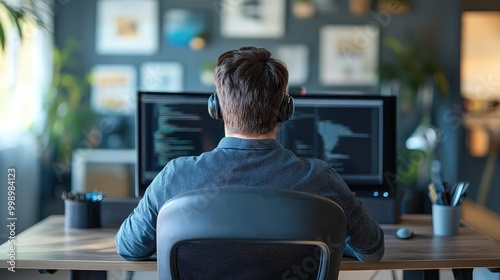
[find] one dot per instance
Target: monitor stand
(384, 210)
(115, 210)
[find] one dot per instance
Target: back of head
(251, 86)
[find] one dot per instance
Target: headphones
(287, 108)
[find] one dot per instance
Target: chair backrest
(250, 233)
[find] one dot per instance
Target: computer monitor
(170, 125)
(355, 134)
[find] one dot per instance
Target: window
(25, 73)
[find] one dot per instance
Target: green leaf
(441, 83)
(18, 25)
(14, 16)
(394, 45)
(2, 37)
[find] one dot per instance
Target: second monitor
(354, 134)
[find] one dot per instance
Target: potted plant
(415, 75)
(68, 114)
(413, 68)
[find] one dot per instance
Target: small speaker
(384, 210)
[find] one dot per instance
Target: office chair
(250, 233)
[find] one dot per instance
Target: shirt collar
(250, 144)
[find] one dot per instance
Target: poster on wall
(162, 76)
(296, 58)
(348, 55)
(113, 89)
(127, 27)
(252, 19)
(183, 27)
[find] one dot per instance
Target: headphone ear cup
(287, 109)
(214, 108)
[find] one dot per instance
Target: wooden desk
(469, 249)
(49, 246)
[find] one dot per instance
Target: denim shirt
(252, 163)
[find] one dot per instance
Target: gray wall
(438, 22)
(77, 19)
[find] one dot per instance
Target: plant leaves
(413, 65)
(2, 37)
(17, 23)
(441, 83)
(15, 16)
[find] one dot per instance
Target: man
(251, 99)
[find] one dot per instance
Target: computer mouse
(404, 233)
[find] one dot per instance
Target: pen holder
(445, 220)
(82, 214)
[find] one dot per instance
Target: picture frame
(296, 58)
(127, 27)
(257, 19)
(349, 55)
(113, 89)
(181, 27)
(162, 76)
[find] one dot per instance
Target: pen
(460, 193)
(432, 193)
(430, 197)
(446, 195)
(457, 194)
(444, 198)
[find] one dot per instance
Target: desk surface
(48, 245)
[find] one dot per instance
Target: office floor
(344, 275)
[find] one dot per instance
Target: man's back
(262, 163)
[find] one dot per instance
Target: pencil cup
(445, 220)
(82, 214)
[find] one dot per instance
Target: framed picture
(113, 89)
(349, 55)
(181, 27)
(127, 27)
(394, 7)
(296, 58)
(252, 19)
(162, 76)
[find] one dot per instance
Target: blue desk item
(404, 233)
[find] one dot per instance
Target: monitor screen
(355, 134)
(170, 125)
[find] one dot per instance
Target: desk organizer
(82, 214)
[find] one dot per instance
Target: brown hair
(250, 87)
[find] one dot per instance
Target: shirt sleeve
(136, 238)
(364, 237)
